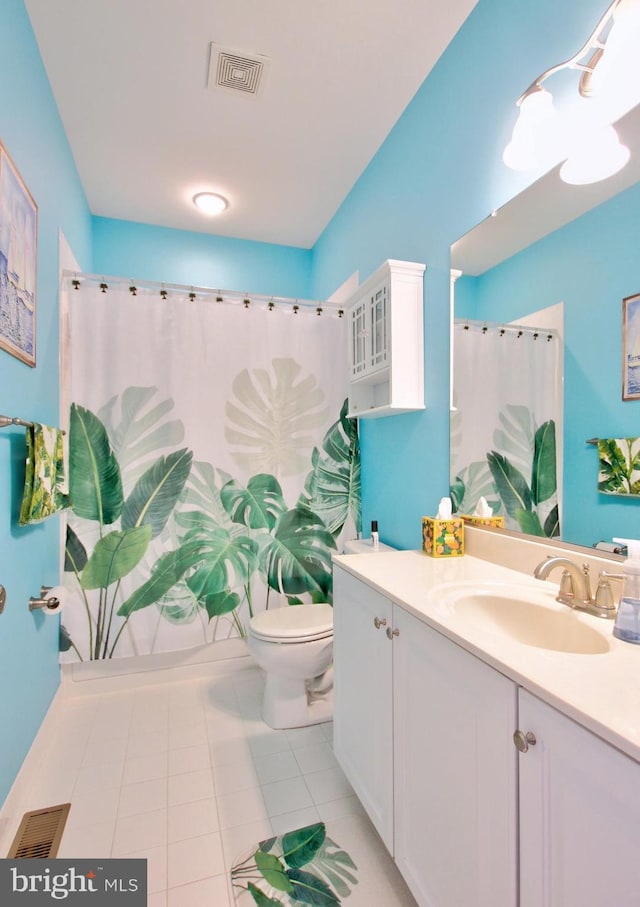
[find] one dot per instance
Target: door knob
(524, 741)
(391, 633)
(379, 622)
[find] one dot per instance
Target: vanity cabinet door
(579, 815)
(362, 696)
(455, 768)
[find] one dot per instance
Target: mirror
(568, 249)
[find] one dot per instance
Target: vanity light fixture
(210, 203)
(583, 137)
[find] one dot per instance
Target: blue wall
(590, 265)
(438, 173)
(125, 249)
(32, 134)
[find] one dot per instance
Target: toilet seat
(293, 623)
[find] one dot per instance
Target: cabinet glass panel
(379, 327)
(359, 339)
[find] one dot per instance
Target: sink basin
(526, 616)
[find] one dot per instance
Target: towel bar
(8, 420)
(13, 420)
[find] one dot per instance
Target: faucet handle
(566, 584)
(604, 593)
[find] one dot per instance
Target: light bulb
(538, 139)
(210, 203)
(600, 155)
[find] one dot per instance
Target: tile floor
(187, 775)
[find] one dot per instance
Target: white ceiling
(130, 81)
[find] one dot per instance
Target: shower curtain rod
(484, 327)
(77, 278)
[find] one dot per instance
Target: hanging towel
(619, 466)
(45, 491)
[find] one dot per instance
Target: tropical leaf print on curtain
(138, 429)
(508, 400)
(270, 424)
(521, 482)
(189, 539)
(96, 494)
(524, 500)
(332, 488)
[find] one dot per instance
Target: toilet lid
(294, 622)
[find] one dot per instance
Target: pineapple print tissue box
(475, 520)
(443, 538)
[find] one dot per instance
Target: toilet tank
(363, 546)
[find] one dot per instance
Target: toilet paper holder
(48, 602)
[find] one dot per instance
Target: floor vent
(236, 71)
(40, 833)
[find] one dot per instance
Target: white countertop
(600, 691)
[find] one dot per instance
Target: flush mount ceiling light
(210, 203)
(608, 87)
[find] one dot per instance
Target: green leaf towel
(44, 484)
(619, 466)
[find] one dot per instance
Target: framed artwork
(631, 347)
(18, 258)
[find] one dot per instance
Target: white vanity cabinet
(579, 815)
(363, 721)
(423, 731)
(386, 360)
(455, 769)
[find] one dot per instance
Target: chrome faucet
(575, 586)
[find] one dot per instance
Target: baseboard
(90, 677)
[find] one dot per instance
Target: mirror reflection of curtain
(213, 471)
(506, 425)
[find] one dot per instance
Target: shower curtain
(212, 468)
(506, 424)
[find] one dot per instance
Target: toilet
(294, 647)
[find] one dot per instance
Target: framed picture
(18, 258)
(631, 347)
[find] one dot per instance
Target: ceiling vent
(236, 71)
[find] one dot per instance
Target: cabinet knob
(391, 633)
(379, 622)
(524, 741)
